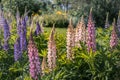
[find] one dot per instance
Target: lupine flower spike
(38, 29)
(23, 31)
(17, 50)
(91, 43)
(80, 32)
(113, 38)
(44, 65)
(6, 34)
(34, 63)
(118, 25)
(51, 56)
(107, 22)
(70, 40)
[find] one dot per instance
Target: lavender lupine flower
(91, 43)
(34, 66)
(38, 29)
(23, 40)
(80, 34)
(70, 40)
(6, 30)
(114, 38)
(107, 22)
(51, 51)
(6, 34)
(17, 50)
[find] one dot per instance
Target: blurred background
(59, 11)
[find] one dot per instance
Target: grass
(58, 30)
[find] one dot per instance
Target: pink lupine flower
(91, 43)
(70, 40)
(44, 65)
(34, 65)
(51, 51)
(114, 37)
(80, 34)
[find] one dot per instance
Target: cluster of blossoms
(113, 38)
(70, 40)
(4, 24)
(91, 43)
(38, 29)
(35, 69)
(80, 33)
(51, 51)
(23, 40)
(17, 50)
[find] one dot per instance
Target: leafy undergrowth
(104, 64)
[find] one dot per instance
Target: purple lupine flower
(6, 30)
(51, 51)
(6, 45)
(5, 25)
(23, 31)
(91, 43)
(107, 22)
(38, 29)
(114, 37)
(26, 18)
(34, 66)
(17, 50)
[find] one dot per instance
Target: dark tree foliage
(12, 5)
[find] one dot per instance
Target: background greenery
(71, 8)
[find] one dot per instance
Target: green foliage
(12, 5)
(77, 8)
(104, 64)
(59, 19)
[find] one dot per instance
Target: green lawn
(58, 30)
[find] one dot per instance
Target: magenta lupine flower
(70, 40)
(91, 43)
(17, 50)
(113, 38)
(51, 51)
(107, 22)
(34, 66)
(38, 29)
